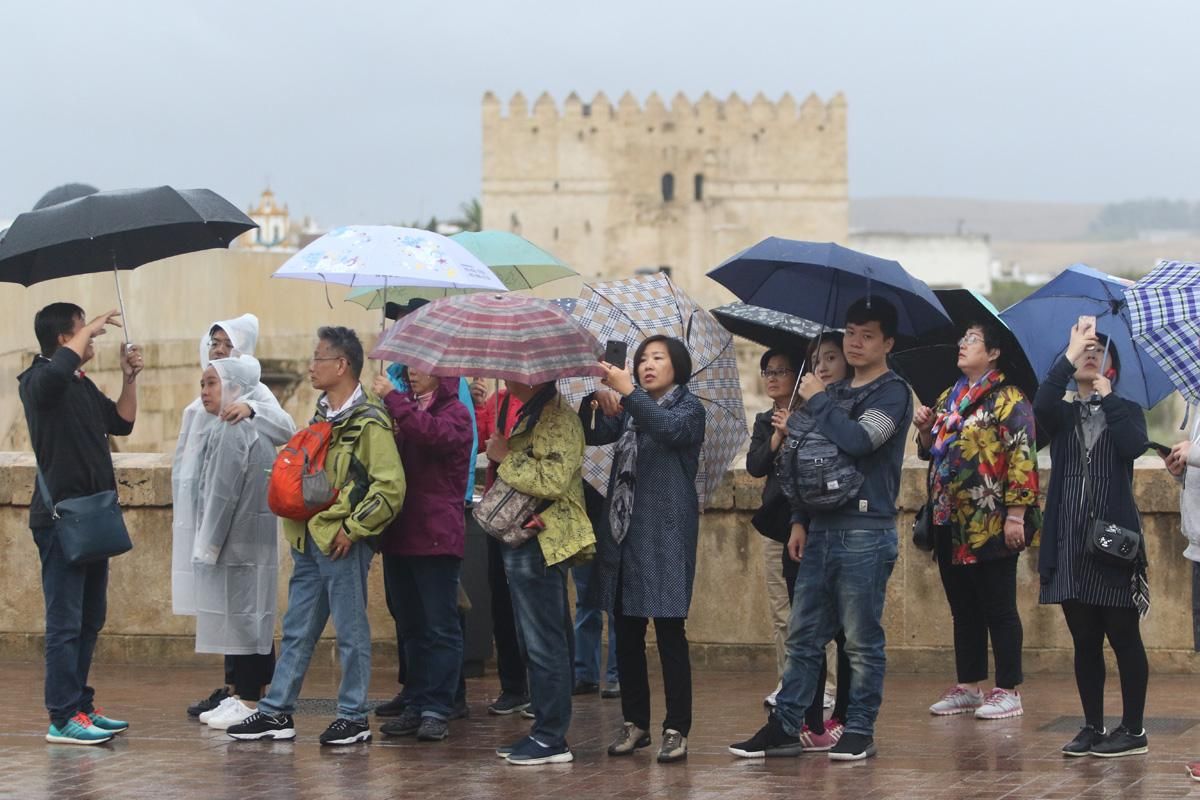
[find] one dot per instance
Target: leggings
(1089, 626)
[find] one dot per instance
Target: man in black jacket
(70, 421)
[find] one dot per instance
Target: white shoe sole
(1006, 715)
(963, 710)
(865, 754)
(1137, 751)
(68, 740)
(224, 723)
(364, 736)
(282, 733)
(737, 751)
(561, 758)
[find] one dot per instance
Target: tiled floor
(165, 755)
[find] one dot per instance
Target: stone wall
(728, 625)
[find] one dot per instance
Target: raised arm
(1052, 412)
(270, 420)
(553, 461)
(885, 414)
(598, 427)
(445, 434)
(680, 426)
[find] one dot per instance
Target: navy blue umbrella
(820, 280)
(1042, 323)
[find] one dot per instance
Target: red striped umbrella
(507, 336)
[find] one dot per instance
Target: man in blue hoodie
(846, 555)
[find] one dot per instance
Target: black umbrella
(120, 229)
(61, 194)
(932, 366)
(772, 329)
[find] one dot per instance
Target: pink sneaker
(1194, 770)
(835, 729)
(814, 743)
(1000, 704)
(957, 700)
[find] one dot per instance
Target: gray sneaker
(629, 739)
(673, 747)
(611, 691)
(432, 729)
(407, 724)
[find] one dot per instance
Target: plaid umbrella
(506, 336)
(1164, 309)
(636, 308)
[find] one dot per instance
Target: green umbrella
(517, 262)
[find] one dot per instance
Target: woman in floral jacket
(983, 485)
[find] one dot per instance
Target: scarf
(424, 401)
(963, 397)
(625, 469)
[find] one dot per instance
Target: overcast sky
(369, 111)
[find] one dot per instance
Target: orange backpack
(299, 487)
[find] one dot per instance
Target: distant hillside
(999, 219)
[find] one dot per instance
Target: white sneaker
(957, 700)
(769, 700)
(1000, 704)
(216, 712)
(233, 714)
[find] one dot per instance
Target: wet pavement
(165, 755)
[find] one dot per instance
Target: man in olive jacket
(332, 551)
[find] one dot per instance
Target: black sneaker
(585, 687)
(1083, 742)
(771, 741)
(432, 729)
(1121, 742)
(392, 708)
(346, 731)
(508, 703)
(407, 724)
(853, 747)
(208, 703)
(261, 725)
(506, 750)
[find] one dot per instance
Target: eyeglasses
(777, 373)
(326, 358)
(970, 339)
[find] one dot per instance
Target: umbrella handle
(121, 302)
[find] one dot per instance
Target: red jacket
(485, 422)
(435, 447)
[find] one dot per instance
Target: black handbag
(1107, 542)
(924, 532)
(88, 528)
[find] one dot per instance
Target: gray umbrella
(61, 194)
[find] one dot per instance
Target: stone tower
(612, 189)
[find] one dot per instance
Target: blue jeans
(589, 624)
(422, 595)
(841, 583)
(321, 588)
(76, 603)
(539, 598)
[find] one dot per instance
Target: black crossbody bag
(1107, 542)
(88, 528)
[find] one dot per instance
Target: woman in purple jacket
(423, 547)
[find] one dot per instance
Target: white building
(943, 262)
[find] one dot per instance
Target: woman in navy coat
(646, 544)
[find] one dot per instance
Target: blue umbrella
(1043, 322)
(820, 280)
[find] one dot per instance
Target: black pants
(1089, 626)
(509, 664)
(635, 680)
(814, 715)
(249, 674)
(983, 602)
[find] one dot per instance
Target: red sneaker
(1193, 770)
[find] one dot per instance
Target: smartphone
(1086, 322)
(615, 353)
(1161, 449)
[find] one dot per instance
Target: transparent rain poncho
(270, 421)
(234, 555)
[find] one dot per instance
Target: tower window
(668, 187)
(698, 187)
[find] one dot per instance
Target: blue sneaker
(77, 730)
(532, 753)
(104, 723)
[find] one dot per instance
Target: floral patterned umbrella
(632, 310)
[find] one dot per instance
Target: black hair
(394, 311)
(837, 337)
(681, 360)
(875, 309)
(992, 338)
(53, 321)
(345, 341)
(793, 358)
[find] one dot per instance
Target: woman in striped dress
(1097, 436)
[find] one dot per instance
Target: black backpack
(813, 473)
